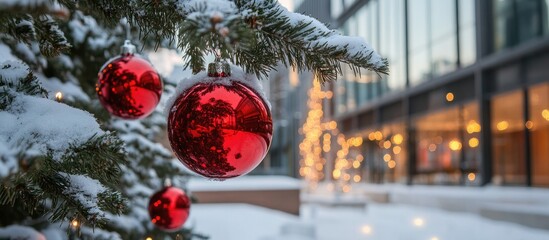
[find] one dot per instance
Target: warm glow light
(397, 139)
(449, 97)
(346, 177)
(502, 125)
(529, 124)
(149, 238)
(435, 238)
(473, 142)
(454, 145)
(471, 176)
(391, 164)
(473, 127)
(396, 149)
(356, 178)
(346, 188)
(356, 164)
(387, 144)
(59, 96)
(545, 114)
(333, 125)
(386, 157)
(366, 229)
(378, 135)
(418, 222)
(75, 223)
(336, 174)
(432, 147)
(372, 136)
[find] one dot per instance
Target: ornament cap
(219, 68)
(167, 182)
(128, 47)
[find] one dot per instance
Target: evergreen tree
(59, 169)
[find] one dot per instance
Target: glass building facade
(467, 98)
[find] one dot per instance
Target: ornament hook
(219, 68)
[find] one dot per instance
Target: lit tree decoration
(314, 130)
(312, 162)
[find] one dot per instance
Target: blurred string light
(545, 114)
(454, 145)
(503, 125)
(313, 130)
(473, 127)
(449, 97)
(471, 176)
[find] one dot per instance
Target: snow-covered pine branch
(255, 34)
(55, 154)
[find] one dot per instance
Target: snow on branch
(42, 126)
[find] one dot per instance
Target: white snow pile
(237, 75)
(12, 71)
(20, 232)
(40, 126)
(86, 190)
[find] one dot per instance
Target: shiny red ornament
(128, 86)
(169, 208)
(220, 130)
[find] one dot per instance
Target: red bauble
(169, 208)
(220, 130)
(129, 87)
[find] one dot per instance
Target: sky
(289, 4)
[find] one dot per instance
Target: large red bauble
(129, 87)
(220, 131)
(169, 208)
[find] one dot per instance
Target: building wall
(466, 101)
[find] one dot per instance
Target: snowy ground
(377, 221)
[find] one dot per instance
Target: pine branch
(254, 34)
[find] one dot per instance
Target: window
(443, 39)
(384, 151)
(508, 142)
(538, 126)
(447, 146)
(418, 38)
(438, 147)
(392, 44)
(467, 35)
(517, 21)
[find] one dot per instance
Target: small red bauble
(169, 208)
(128, 86)
(220, 129)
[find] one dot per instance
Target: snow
(245, 183)
(379, 221)
(70, 90)
(5, 53)
(237, 75)
(322, 35)
(236, 221)
(86, 191)
(45, 126)
(20, 232)
(202, 11)
(12, 71)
